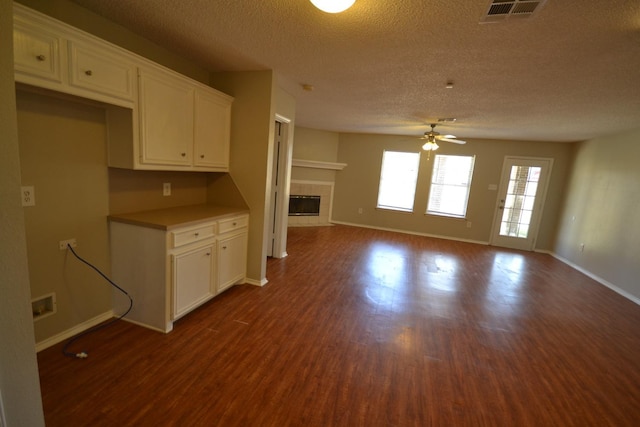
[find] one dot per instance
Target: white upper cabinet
(212, 130)
(166, 119)
(101, 70)
(183, 124)
(36, 54)
(157, 118)
(51, 55)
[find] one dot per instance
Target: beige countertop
(169, 218)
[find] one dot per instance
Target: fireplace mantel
(317, 164)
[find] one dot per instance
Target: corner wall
(63, 155)
(19, 383)
(601, 212)
(252, 124)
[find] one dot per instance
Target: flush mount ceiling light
(333, 6)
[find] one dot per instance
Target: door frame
(277, 244)
(541, 196)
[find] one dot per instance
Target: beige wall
(357, 185)
(135, 191)
(63, 155)
(252, 123)
(19, 384)
(222, 191)
(602, 211)
(317, 145)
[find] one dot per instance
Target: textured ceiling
(570, 72)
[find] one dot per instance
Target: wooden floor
(361, 327)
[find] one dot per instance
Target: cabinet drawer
(227, 225)
(36, 52)
(97, 70)
(191, 235)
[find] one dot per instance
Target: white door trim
(540, 201)
(284, 180)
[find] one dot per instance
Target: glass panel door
(521, 196)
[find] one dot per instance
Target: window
(450, 184)
(398, 180)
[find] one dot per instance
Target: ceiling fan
(432, 136)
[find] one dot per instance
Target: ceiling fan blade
(455, 141)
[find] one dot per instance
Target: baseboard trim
(395, 230)
(167, 329)
(255, 282)
(597, 278)
(51, 341)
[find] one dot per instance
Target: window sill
(394, 210)
(441, 215)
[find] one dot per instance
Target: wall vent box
(43, 306)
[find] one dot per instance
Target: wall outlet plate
(28, 195)
(62, 244)
(166, 189)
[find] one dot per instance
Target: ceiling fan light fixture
(430, 145)
(333, 6)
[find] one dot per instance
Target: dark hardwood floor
(359, 327)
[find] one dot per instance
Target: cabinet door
(212, 130)
(166, 119)
(36, 53)
(192, 279)
(232, 260)
(97, 70)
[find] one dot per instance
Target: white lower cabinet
(193, 279)
(169, 273)
(232, 259)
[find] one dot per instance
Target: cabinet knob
(197, 234)
(202, 156)
(208, 253)
(224, 247)
(235, 223)
(41, 57)
(89, 73)
(183, 154)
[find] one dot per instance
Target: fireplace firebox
(304, 205)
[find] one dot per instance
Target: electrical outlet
(63, 244)
(581, 247)
(359, 210)
(468, 224)
(166, 189)
(28, 195)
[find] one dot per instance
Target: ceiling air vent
(499, 10)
